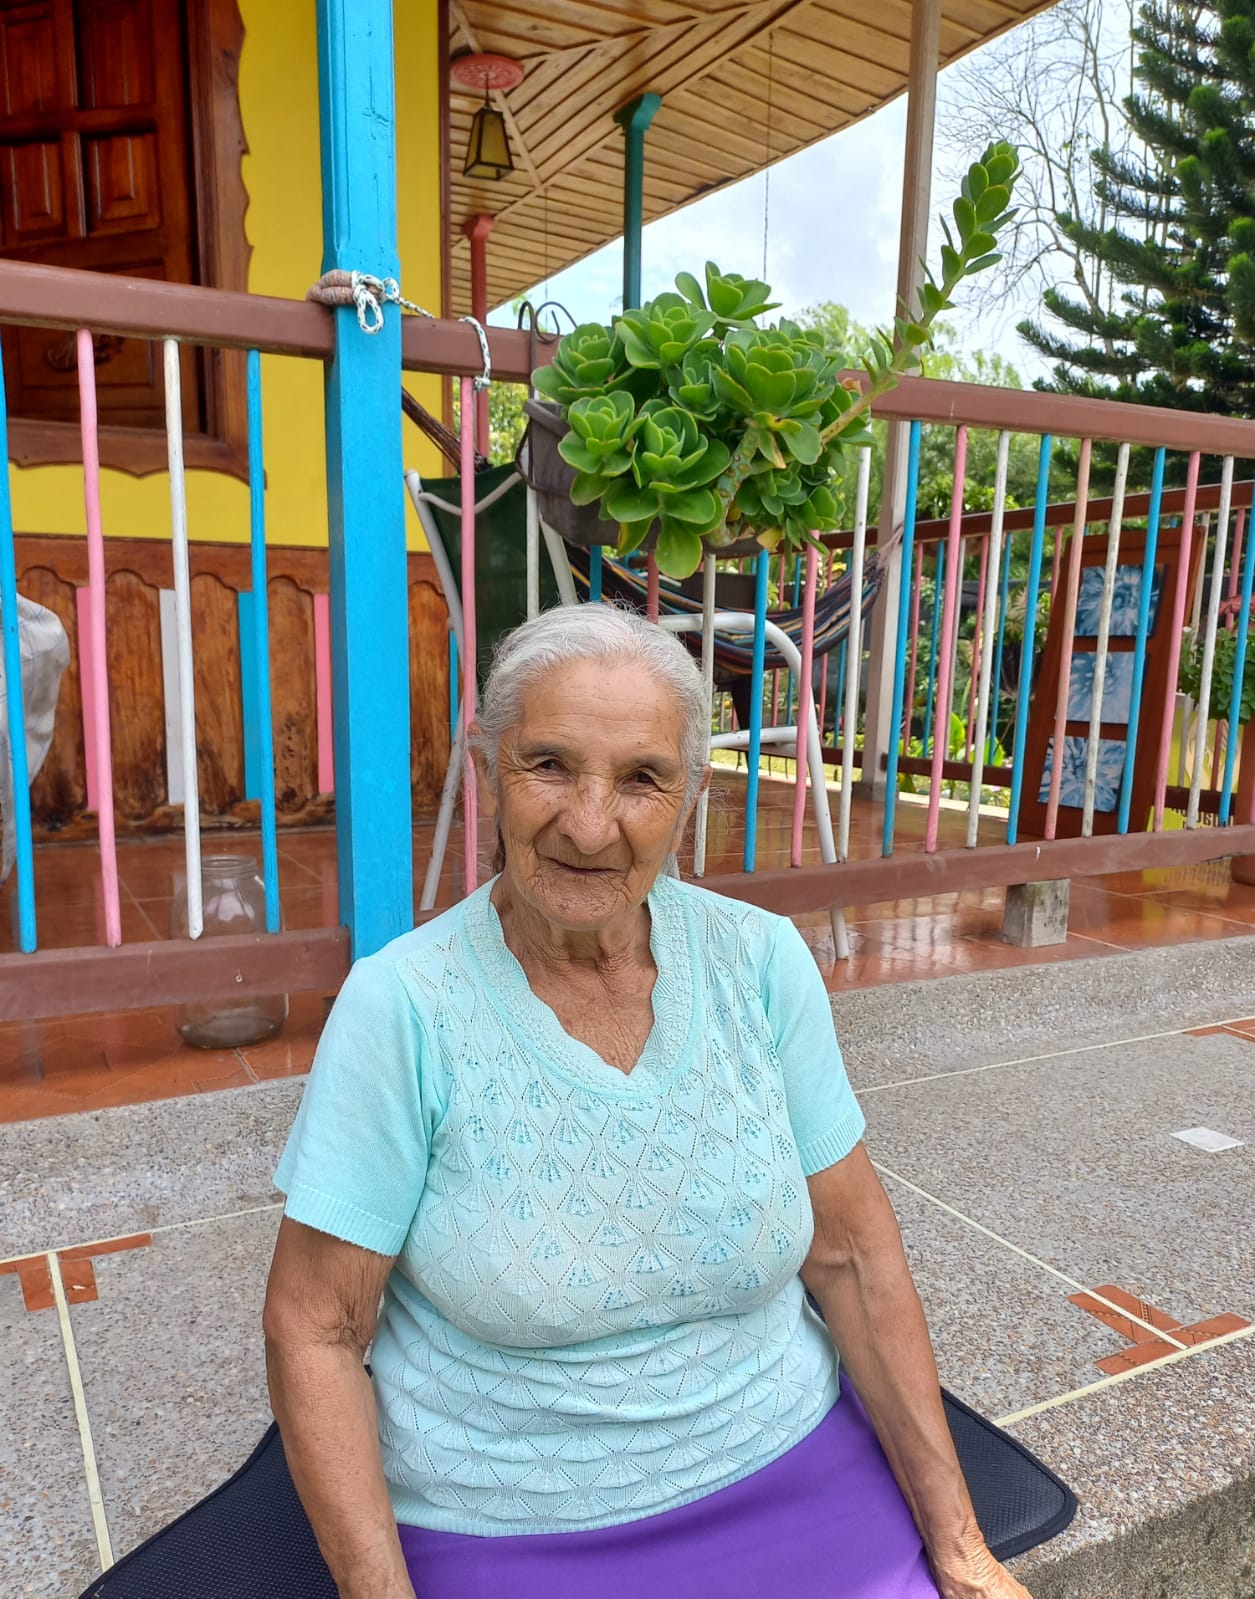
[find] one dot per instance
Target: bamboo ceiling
(832, 62)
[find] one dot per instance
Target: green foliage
(957, 749)
(1191, 678)
(1181, 332)
(690, 413)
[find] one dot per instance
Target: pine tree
(1180, 330)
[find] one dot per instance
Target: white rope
(371, 294)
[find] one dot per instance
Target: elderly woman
(589, 1137)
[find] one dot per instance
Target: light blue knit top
(595, 1313)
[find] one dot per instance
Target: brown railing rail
(65, 297)
(1063, 513)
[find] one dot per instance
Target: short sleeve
(823, 1112)
(356, 1159)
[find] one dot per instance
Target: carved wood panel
(293, 693)
(136, 695)
(219, 707)
(50, 569)
(429, 694)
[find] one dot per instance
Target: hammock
(734, 650)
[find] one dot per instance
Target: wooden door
(95, 173)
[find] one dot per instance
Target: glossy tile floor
(49, 1068)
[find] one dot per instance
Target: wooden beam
(72, 982)
(1063, 514)
(107, 302)
(1066, 416)
(912, 874)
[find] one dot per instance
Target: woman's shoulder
(428, 957)
(724, 923)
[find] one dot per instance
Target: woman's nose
(588, 820)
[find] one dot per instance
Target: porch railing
(886, 696)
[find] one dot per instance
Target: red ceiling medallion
(480, 71)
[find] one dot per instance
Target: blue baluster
(756, 711)
(261, 645)
(1143, 633)
(1031, 592)
(896, 736)
(26, 930)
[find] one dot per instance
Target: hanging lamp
(488, 148)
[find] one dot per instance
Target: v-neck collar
(535, 1024)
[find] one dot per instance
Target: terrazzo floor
(1053, 1222)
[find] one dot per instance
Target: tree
(1052, 86)
(1181, 245)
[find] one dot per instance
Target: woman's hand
(977, 1575)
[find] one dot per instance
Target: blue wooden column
(369, 612)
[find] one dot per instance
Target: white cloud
(834, 219)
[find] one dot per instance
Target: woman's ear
(702, 785)
(483, 777)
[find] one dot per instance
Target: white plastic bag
(45, 653)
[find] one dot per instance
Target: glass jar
(234, 899)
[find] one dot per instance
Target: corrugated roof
(829, 62)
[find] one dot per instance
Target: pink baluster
(470, 807)
(945, 649)
(99, 681)
(652, 588)
(823, 670)
(1069, 633)
(323, 701)
(1175, 630)
(804, 694)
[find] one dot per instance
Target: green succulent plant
(689, 414)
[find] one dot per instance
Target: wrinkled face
(590, 792)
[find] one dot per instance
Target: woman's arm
(857, 1270)
(322, 1303)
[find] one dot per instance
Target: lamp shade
(488, 149)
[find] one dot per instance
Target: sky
(810, 255)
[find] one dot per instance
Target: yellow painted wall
(279, 109)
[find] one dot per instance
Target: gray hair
(612, 635)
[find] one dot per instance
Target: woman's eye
(643, 780)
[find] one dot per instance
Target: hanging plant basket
(543, 469)
(690, 418)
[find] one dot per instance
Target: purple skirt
(824, 1521)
